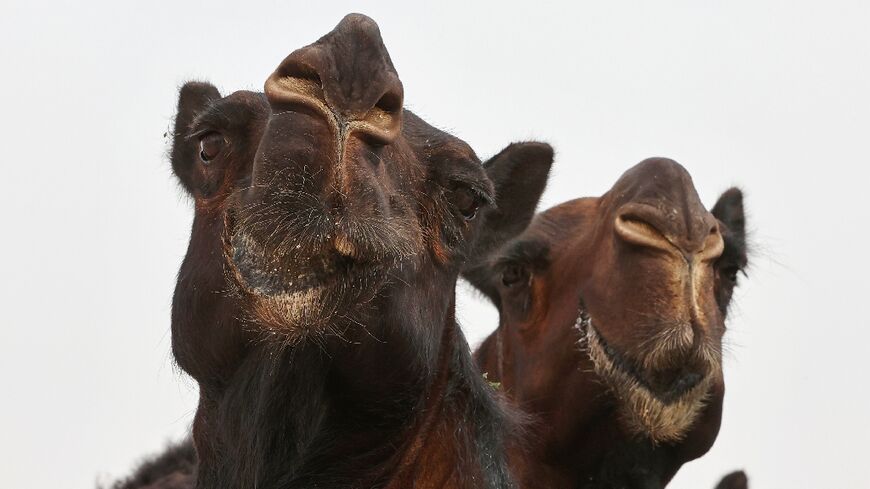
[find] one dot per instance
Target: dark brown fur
(174, 468)
(644, 266)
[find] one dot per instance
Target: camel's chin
(295, 315)
(642, 412)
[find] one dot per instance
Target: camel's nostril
(638, 224)
(295, 83)
(301, 71)
(382, 122)
(390, 102)
(636, 228)
(713, 246)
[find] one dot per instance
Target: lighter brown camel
(612, 312)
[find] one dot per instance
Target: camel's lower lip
(680, 386)
(655, 405)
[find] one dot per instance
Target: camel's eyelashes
(467, 202)
(210, 146)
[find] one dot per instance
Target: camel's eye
(730, 274)
(512, 275)
(466, 202)
(210, 146)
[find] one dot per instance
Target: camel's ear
(193, 98)
(734, 259)
(519, 175)
(729, 210)
(734, 480)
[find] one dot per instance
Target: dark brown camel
(315, 304)
(612, 312)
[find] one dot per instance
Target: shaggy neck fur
(354, 410)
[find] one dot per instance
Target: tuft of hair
(174, 468)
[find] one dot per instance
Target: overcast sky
(771, 96)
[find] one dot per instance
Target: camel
(315, 305)
(612, 311)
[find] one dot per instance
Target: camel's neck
(460, 434)
(392, 400)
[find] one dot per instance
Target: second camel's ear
(734, 480)
(519, 174)
(729, 210)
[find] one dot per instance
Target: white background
(771, 96)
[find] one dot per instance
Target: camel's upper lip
(669, 393)
(266, 276)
